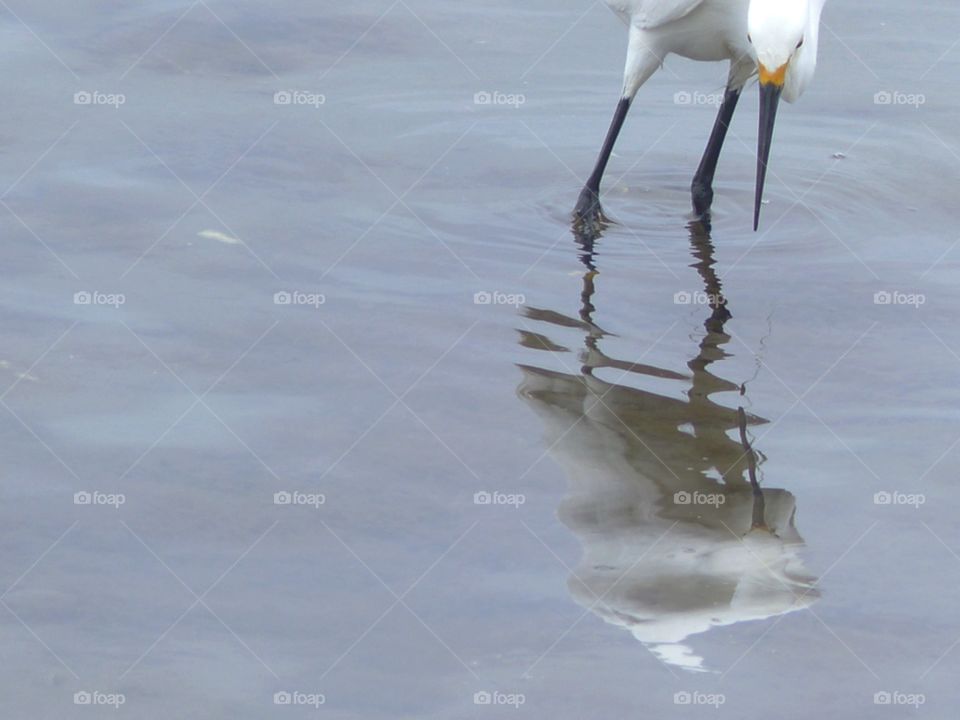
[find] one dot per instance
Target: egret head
(779, 31)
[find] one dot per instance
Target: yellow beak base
(776, 77)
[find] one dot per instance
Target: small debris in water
(839, 156)
(219, 236)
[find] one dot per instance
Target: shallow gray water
(400, 398)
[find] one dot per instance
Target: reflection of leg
(702, 187)
(759, 520)
(702, 247)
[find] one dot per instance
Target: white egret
(774, 39)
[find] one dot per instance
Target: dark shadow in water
(677, 534)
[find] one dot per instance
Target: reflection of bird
(678, 536)
(776, 39)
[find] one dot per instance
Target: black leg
(702, 187)
(588, 212)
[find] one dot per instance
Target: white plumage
(775, 39)
(650, 14)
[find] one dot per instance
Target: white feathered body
(715, 30)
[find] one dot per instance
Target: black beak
(769, 100)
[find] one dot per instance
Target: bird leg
(702, 187)
(588, 215)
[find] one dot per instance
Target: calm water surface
(679, 464)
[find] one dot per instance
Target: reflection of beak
(771, 87)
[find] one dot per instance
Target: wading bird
(774, 39)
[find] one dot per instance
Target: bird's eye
(800, 44)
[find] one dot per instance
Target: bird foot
(702, 196)
(588, 217)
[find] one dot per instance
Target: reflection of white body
(664, 570)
